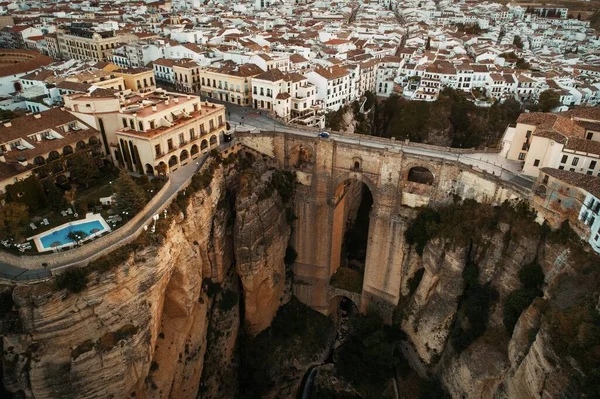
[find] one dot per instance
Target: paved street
(508, 170)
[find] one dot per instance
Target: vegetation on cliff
(368, 357)
(297, 336)
(567, 300)
(451, 120)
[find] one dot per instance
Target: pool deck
(90, 217)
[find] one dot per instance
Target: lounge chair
(70, 211)
(63, 213)
(45, 222)
(33, 226)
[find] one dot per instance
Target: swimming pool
(59, 237)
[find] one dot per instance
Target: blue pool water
(59, 237)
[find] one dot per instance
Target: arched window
(421, 175)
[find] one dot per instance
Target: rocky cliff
(140, 326)
(262, 233)
(475, 360)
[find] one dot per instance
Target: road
(177, 181)
(493, 163)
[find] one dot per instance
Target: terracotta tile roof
(283, 96)
(297, 58)
(583, 145)
(334, 72)
(164, 62)
(591, 184)
(26, 125)
(21, 61)
(73, 86)
(271, 75)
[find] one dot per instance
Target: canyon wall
(261, 235)
(139, 328)
(521, 363)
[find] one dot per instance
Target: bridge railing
(387, 141)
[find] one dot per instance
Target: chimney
(176, 99)
(153, 107)
(38, 116)
(167, 101)
(7, 124)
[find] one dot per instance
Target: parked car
(324, 135)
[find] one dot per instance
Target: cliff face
(138, 329)
(261, 237)
(142, 325)
(521, 363)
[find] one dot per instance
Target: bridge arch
(344, 305)
(361, 177)
(421, 175)
(352, 202)
(300, 156)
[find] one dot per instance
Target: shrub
(368, 356)
(415, 280)
(475, 304)
(74, 279)
(347, 279)
(421, 229)
(514, 304)
(290, 256)
(228, 300)
(532, 280)
(153, 366)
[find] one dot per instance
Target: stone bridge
(327, 170)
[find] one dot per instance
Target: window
(536, 162)
(524, 148)
(545, 181)
(572, 170)
(592, 165)
(564, 159)
(124, 122)
(521, 156)
(561, 167)
(589, 136)
(528, 134)
(141, 126)
(192, 134)
(170, 144)
(157, 150)
(181, 139)
(575, 161)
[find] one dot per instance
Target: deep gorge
(205, 308)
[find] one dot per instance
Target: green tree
(518, 42)
(83, 169)
(28, 191)
(13, 216)
(75, 280)
(549, 99)
(56, 198)
(130, 198)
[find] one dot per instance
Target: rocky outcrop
(433, 307)
(136, 330)
(261, 236)
(221, 362)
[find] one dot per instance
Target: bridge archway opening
(353, 201)
(419, 174)
(342, 306)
